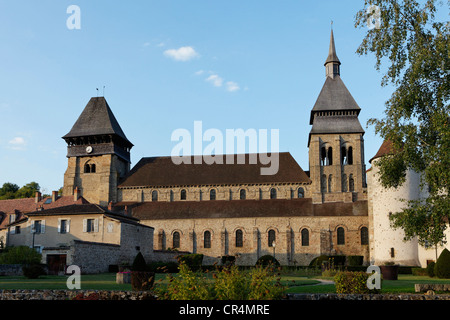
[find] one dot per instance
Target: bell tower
(98, 154)
(336, 144)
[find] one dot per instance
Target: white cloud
(146, 44)
(215, 80)
(199, 72)
(232, 86)
(181, 54)
(17, 143)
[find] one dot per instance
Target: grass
(295, 283)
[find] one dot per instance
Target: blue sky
(245, 64)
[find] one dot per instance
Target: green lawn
(296, 283)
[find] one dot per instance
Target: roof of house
(26, 205)
(245, 209)
(96, 119)
(162, 171)
(387, 147)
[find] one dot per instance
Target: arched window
(301, 192)
(343, 156)
(273, 193)
(93, 168)
(323, 156)
(176, 239)
(350, 155)
(207, 239)
(330, 156)
(260, 194)
(239, 238)
(271, 237)
(171, 195)
(305, 237)
(87, 168)
(364, 236)
(330, 179)
(183, 194)
(340, 236)
(351, 183)
(212, 194)
(154, 195)
(242, 194)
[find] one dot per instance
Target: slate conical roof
(335, 110)
(97, 119)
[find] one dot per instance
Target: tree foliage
(12, 191)
(415, 47)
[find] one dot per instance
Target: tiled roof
(244, 209)
(26, 205)
(161, 171)
(387, 147)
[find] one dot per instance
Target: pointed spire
(332, 63)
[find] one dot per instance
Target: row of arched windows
(326, 156)
(271, 237)
(242, 194)
(347, 185)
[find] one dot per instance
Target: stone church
(231, 209)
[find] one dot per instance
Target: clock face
(89, 149)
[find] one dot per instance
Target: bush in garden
(33, 271)
(267, 260)
(139, 263)
(187, 285)
(141, 279)
(231, 284)
(442, 267)
(352, 282)
(430, 269)
(20, 255)
(193, 260)
(264, 285)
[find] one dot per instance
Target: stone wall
(71, 294)
(10, 269)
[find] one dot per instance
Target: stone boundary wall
(70, 294)
(366, 297)
(11, 270)
(423, 287)
(166, 255)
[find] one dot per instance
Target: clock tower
(98, 154)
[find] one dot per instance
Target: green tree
(8, 191)
(416, 49)
(28, 190)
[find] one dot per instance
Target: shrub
(267, 260)
(142, 280)
(419, 271)
(442, 267)
(352, 282)
(139, 263)
(33, 271)
(430, 269)
(188, 285)
(264, 285)
(163, 267)
(228, 260)
(193, 260)
(231, 284)
(355, 260)
(20, 255)
(318, 261)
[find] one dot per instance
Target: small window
(301, 193)
(242, 194)
(63, 226)
(305, 237)
(207, 239)
(392, 253)
(87, 168)
(212, 194)
(110, 227)
(271, 238)
(176, 239)
(93, 168)
(183, 194)
(37, 226)
(340, 236)
(350, 155)
(90, 225)
(351, 183)
(17, 230)
(239, 239)
(273, 193)
(330, 180)
(154, 195)
(364, 236)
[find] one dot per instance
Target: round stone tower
(387, 244)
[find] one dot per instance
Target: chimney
(54, 196)
(37, 198)
(76, 194)
(110, 206)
